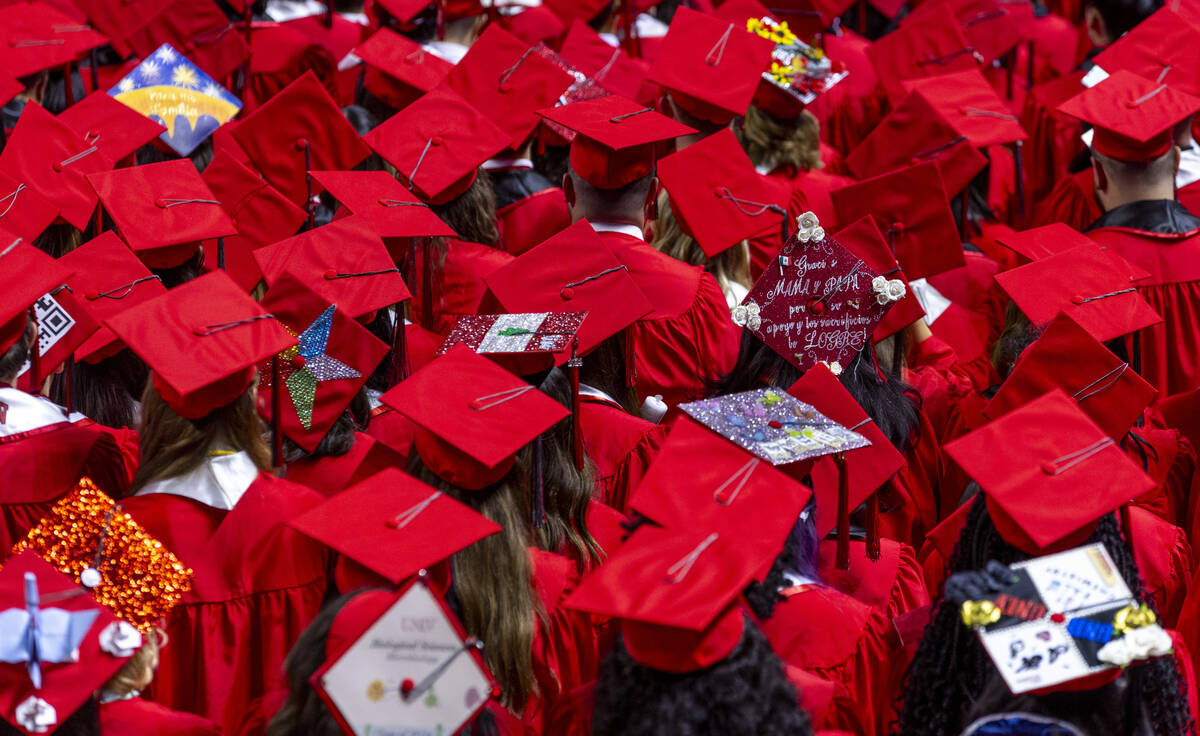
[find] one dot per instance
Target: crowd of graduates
(609, 367)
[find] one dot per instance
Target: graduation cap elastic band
(507, 73)
(593, 277)
(1149, 94)
(125, 290)
(1085, 299)
(222, 326)
(762, 209)
(26, 43)
(410, 692)
(1163, 73)
(406, 517)
(741, 476)
(677, 572)
(1060, 465)
(167, 203)
(332, 275)
(718, 49)
(937, 150)
(400, 203)
(72, 159)
(628, 115)
(10, 246)
(212, 35)
(865, 421)
(982, 16)
(484, 403)
(12, 196)
(412, 177)
(977, 112)
(947, 58)
(1101, 384)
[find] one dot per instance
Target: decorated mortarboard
(523, 343)
(198, 28)
(797, 74)
(321, 374)
(710, 66)
(716, 195)
(506, 81)
(437, 143)
(37, 36)
(426, 678)
(116, 128)
(1065, 356)
(1161, 49)
(31, 274)
(617, 138)
(88, 537)
(63, 325)
(472, 416)
(967, 101)
(394, 524)
(816, 302)
(1066, 621)
(1058, 473)
(1133, 117)
(202, 341)
(1087, 283)
(863, 239)
(393, 210)
(929, 45)
(162, 211)
(48, 156)
(773, 425)
(57, 645)
(911, 209)
(300, 129)
(345, 262)
(607, 66)
(399, 70)
(175, 93)
(23, 212)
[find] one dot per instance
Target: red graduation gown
(1072, 201)
(620, 445)
(457, 282)
(257, 586)
(533, 219)
(279, 55)
(138, 716)
(689, 339)
(893, 584)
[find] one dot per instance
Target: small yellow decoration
(771, 399)
(1133, 617)
(375, 690)
(980, 613)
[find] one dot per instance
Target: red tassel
(843, 528)
(873, 551)
(573, 366)
(441, 22)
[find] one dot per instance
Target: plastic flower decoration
(747, 315)
(887, 290)
(808, 228)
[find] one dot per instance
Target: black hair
(951, 670)
(799, 555)
(340, 438)
(552, 162)
(104, 391)
(1120, 16)
(58, 239)
(15, 356)
(747, 693)
(190, 269)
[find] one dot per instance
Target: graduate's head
(472, 214)
(773, 141)
(15, 356)
(1108, 20)
(731, 265)
(628, 203)
(1120, 182)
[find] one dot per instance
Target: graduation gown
(620, 445)
(136, 715)
(689, 338)
(529, 207)
(257, 583)
(331, 474)
(457, 282)
(1162, 237)
(893, 584)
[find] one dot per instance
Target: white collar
(220, 482)
(617, 227)
(282, 11)
(1189, 166)
(495, 164)
(23, 412)
(447, 50)
(595, 393)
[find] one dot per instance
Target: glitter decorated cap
(78, 645)
(523, 344)
(37, 36)
(1059, 473)
(1087, 283)
(816, 302)
(716, 195)
(398, 69)
(136, 578)
(863, 239)
(711, 66)
(1065, 356)
(202, 340)
(968, 102)
(117, 129)
(162, 211)
(393, 210)
(321, 374)
(617, 138)
(437, 144)
(108, 279)
(607, 66)
(472, 416)
(394, 524)
(30, 274)
(508, 82)
(345, 262)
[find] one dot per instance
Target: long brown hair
(472, 214)
(171, 445)
(772, 141)
(731, 265)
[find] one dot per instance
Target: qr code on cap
(53, 322)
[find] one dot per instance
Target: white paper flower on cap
(888, 290)
(834, 367)
(120, 639)
(1137, 644)
(747, 315)
(36, 715)
(808, 227)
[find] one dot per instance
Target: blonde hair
(772, 142)
(730, 266)
(137, 673)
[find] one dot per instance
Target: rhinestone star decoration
(304, 365)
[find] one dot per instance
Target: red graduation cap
(608, 66)
(716, 195)
(1134, 118)
(1066, 357)
(1048, 472)
(931, 44)
(910, 208)
(472, 416)
(118, 129)
(569, 10)
(202, 340)
(198, 28)
(437, 144)
(378, 196)
(711, 67)
(63, 325)
(1040, 242)
(162, 211)
(617, 138)
(49, 157)
(523, 344)
(863, 239)
(24, 212)
(968, 102)
(394, 524)
(344, 262)
(506, 81)
(108, 279)
(38, 36)
(398, 69)
(298, 130)
(404, 11)
(31, 273)
(1087, 283)
(1161, 49)
(991, 26)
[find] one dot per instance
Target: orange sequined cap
(139, 580)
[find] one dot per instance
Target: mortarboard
(967, 101)
(31, 274)
(1087, 283)
(202, 340)
(911, 210)
(459, 9)
(344, 262)
(117, 129)
(582, 10)
(299, 129)
(398, 69)
(472, 416)
(711, 67)
(23, 212)
(931, 44)
(162, 211)
(1161, 48)
(992, 27)
(108, 279)
(1039, 242)
(333, 358)
(37, 36)
(617, 138)
(1057, 473)
(1066, 357)
(198, 28)
(394, 524)
(1133, 117)
(507, 82)
(63, 324)
(522, 344)
(863, 239)
(437, 144)
(404, 10)
(607, 66)
(716, 195)
(393, 211)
